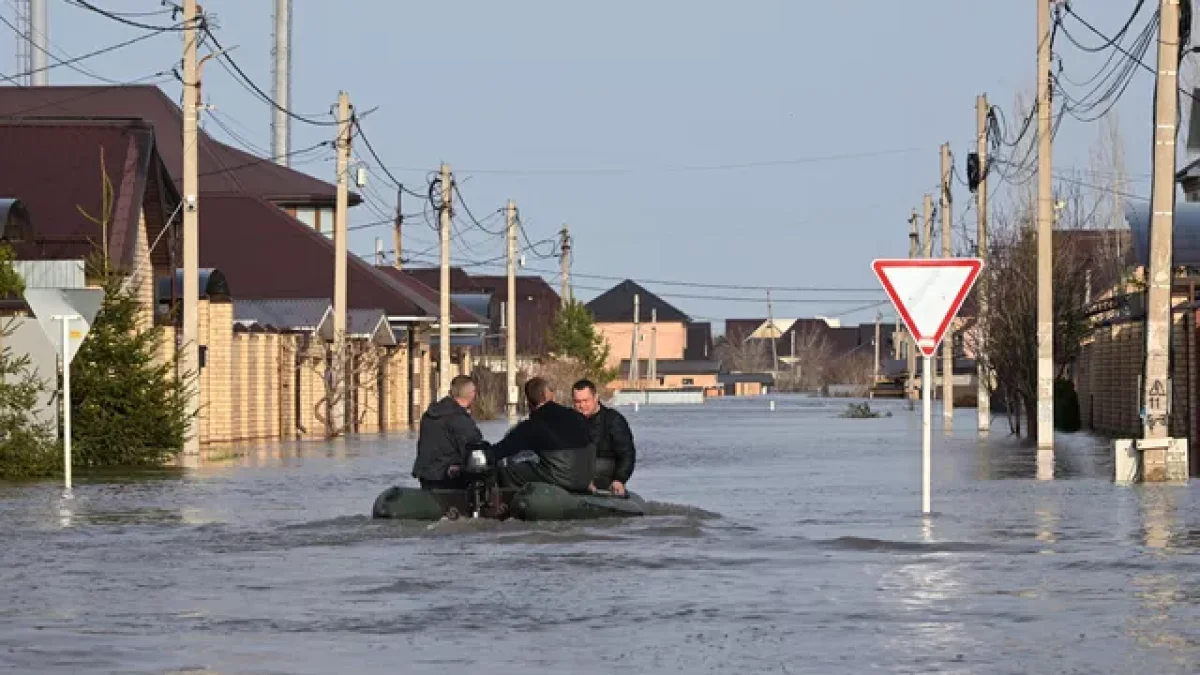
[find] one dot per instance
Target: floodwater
(782, 542)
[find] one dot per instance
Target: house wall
(1107, 379)
(670, 344)
(705, 380)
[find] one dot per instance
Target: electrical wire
(128, 22)
(67, 62)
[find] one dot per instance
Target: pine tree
(573, 335)
(27, 447)
(128, 408)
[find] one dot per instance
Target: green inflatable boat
(535, 502)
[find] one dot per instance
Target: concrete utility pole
(774, 335)
(444, 314)
(565, 262)
(634, 375)
(341, 358)
(948, 341)
(875, 373)
(378, 250)
(653, 346)
(927, 228)
(1045, 247)
(39, 29)
(982, 375)
(281, 131)
(914, 251)
(397, 231)
(1156, 383)
(510, 313)
(189, 357)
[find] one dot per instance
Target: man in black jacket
(556, 435)
(615, 452)
(446, 430)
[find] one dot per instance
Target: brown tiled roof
(430, 296)
(221, 168)
(537, 304)
(55, 169)
(265, 253)
(460, 281)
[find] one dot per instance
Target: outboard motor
(479, 473)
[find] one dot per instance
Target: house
(537, 303)
(612, 312)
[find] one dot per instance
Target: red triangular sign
(927, 293)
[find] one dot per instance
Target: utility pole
(1156, 382)
(948, 340)
(378, 251)
(337, 414)
(510, 313)
(634, 375)
(875, 373)
(189, 357)
(444, 314)
(983, 377)
(281, 131)
(653, 346)
(565, 262)
(774, 336)
(927, 228)
(1045, 247)
(914, 251)
(397, 239)
(39, 29)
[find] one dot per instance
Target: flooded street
(787, 542)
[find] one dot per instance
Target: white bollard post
(772, 406)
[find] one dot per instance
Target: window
(687, 381)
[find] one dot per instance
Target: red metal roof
(265, 253)
(431, 295)
(221, 168)
(55, 169)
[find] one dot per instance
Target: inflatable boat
(535, 502)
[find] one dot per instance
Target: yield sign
(928, 292)
(49, 305)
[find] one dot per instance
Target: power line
(709, 167)
(122, 19)
(67, 62)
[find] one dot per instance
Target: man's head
(538, 392)
(462, 390)
(583, 396)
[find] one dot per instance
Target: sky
(773, 143)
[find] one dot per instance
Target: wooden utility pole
(444, 376)
(1156, 382)
(565, 262)
(1045, 247)
(341, 359)
(652, 370)
(914, 251)
(189, 358)
(510, 314)
(634, 375)
(982, 375)
(948, 340)
(398, 230)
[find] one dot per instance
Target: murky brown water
(794, 545)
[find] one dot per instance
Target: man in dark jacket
(557, 436)
(446, 430)
(615, 452)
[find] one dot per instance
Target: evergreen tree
(573, 335)
(27, 447)
(128, 408)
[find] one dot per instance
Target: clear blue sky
(598, 115)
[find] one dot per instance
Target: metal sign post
(927, 293)
(66, 396)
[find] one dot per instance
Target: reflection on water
(778, 541)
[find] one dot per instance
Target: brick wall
(1108, 379)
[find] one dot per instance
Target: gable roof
(430, 296)
(221, 168)
(242, 236)
(616, 305)
(460, 281)
(527, 285)
(54, 168)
